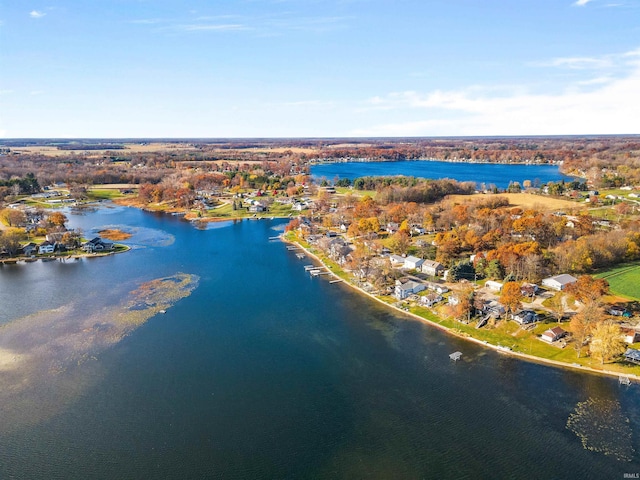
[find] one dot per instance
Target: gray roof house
(403, 290)
(559, 282)
(413, 263)
(431, 267)
(97, 245)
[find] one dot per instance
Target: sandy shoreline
(523, 356)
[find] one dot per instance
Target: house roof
(557, 331)
(409, 285)
(562, 279)
(432, 263)
(632, 354)
(412, 259)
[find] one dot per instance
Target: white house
(559, 282)
(430, 299)
(396, 260)
(494, 286)
(46, 247)
(403, 290)
(413, 263)
(553, 334)
(431, 267)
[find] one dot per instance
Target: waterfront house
(403, 290)
(257, 207)
(630, 335)
(430, 299)
(553, 334)
(30, 249)
(559, 282)
(525, 317)
(47, 247)
(97, 245)
(494, 309)
(632, 355)
(433, 268)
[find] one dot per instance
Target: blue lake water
(265, 372)
(482, 173)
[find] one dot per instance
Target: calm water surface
(482, 173)
(264, 372)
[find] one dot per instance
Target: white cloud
(608, 106)
(36, 14)
(581, 3)
(36, 92)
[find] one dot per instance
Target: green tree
(462, 270)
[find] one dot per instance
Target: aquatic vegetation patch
(45, 358)
(602, 428)
(147, 237)
(114, 234)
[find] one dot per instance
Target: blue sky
(317, 68)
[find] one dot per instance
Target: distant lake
(265, 372)
(488, 174)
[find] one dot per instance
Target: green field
(624, 280)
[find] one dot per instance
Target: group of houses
(54, 243)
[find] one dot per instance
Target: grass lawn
(227, 211)
(103, 193)
(624, 280)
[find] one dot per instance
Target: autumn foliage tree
(511, 296)
(606, 342)
(588, 289)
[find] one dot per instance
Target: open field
(624, 280)
(53, 151)
(525, 200)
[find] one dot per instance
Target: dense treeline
(410, 189)
(26, 185)
(604, 161)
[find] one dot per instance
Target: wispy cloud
(608, 106)
(36, 92)
(264, 25)
(602, 62)
(202, 27)
(36, 14)
(147, 21)
(581, 3)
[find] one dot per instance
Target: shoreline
(497, 348)
(73, 256)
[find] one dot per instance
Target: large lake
(482, 173)
(265, 372)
